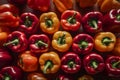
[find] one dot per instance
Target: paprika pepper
(93, 63)
(71, 20)
(16, 41)
(104, 41)
(62, 41)
(49, 62)
(49, 22)
(82, 43)
(64, 77)
(39, 43)
(86, 77)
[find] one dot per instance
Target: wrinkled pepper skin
(11, 73)
(92, 22)
(16, 42)
(113, 66)
(104, 41)
(36, 76)
(9, 15)
(82, 44)
(49, 22)
(28, 62)
(71, 20)
(70, 63)
(62, 41)
(112, 21)
(42, 5)
(86, 77)
(49, 62)
(28, 23)
(39, 43)
(93, 63)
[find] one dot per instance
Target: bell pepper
(28, 23)
(92, 22)
(64, 77)
(36, 76)
(93, 63)
(16, 42)
(27, 62)
(71, 20)
(5, 58)
(104, 41)
(112, 21)
(9, 15)
(70, 63)
(39, 43)
(49, 62)
(107, 5)
(11, 73)
(62, 41)
(63, 5)
(49, 22)
(82, 43)
(86, 3)
(17, 2)
(113, 66)
(42, 5)
(86, 77)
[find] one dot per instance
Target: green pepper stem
(118, 17)
(107, 41)
(27, 21)
(94, 64)
(94, 24)
(61, 39)
(72, 18)
(41, 43)
(114, 65)
(71, 64)
(7, 78)
(47, 66)
(83, 44)
(48, 22)
(14, 42)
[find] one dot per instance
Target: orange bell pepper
(62, 41)
(104, 41)
(86, 77)
(63, 5)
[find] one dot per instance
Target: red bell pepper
(71, 20)
(113, 66)
(82, 43)
(42, 5)
(112, 21)
(92, 22)
(11, 73)
(70, 63)
(9, 15)
(28, 23)
(39, 43)
(16, 41)
(63, 77)
(93, 63)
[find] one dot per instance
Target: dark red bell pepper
(28, 23)
(70, 63)
(112, 21)
(63, 77)
(16, 41)
(92, 22)
(39, 43)
(82, 43)
(5, 58)
(11, 73)
(17, 2)
(71, 20)
(93, 63)
(113, 66)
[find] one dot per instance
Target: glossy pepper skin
(63, 5)
(71, 20)
(9, 15)
(82, 44)
(42, 5)
(104, 41)
(112, 21)
(62, 41)
(28, 23)
(16, 42)
(27, 61)
(49, 62)
(92, 22)
(11, 73)
(64, 77)
(113, 66)
(70, 63)
(93, 63)
(86, 77)
(49, 22)
(36, 76)
(39, 43)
